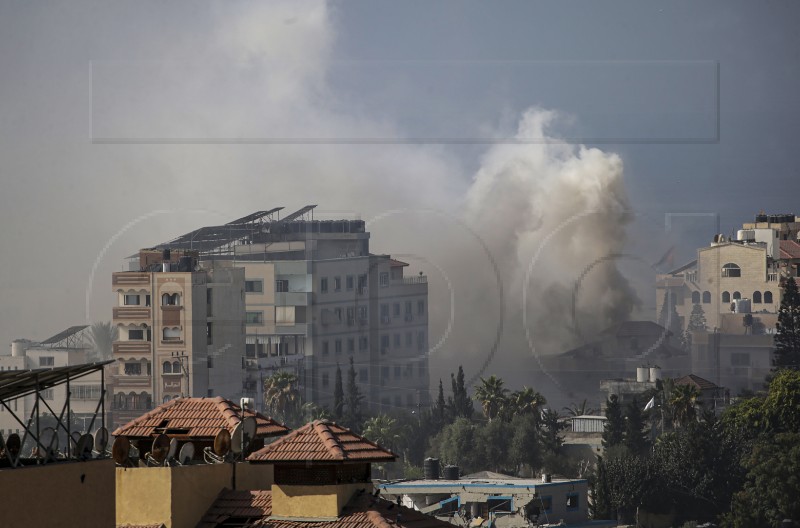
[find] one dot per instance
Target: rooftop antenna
(186, 455)
(120, 451)
(222, 445)
(83, 451)
(101, 442)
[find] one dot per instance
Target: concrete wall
(60, 494)
(312, 501)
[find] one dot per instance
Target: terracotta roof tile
(322, 441)
(790, 249)
(253, 508)
(696, 381)
(201, 417)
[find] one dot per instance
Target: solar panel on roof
(72, 330)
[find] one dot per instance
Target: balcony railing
(130, 278)
(772, 277)
(129, 313)
(132, 348)
(420, 279)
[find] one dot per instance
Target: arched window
(737, 295)
(168, 299)
(176, 367)
(726, 297)
(756, 297)
(133, 400)
(144, 401)
(166, 367)
(731, 270)
(695, 297)
(120, 401)
(706, 297)
(768, 297)
(166, 399)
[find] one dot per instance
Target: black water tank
(431, 469)
(451, 473)
(761, 217)
(165, 254)
(186, 264)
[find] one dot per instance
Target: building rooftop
(790, 249)
(322, 441)
(469, 483)
(196, 418)
(696, 381)
(254, 508)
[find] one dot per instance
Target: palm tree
(525, 401)
(383, 430)
(492, 396)
(102, 336)
(683, 400)
(581, 409)
(310, 411)
(281, 396)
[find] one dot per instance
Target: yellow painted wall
(60, 494)
(194, 489)
(143, 495)
(311, 501)
(254, 476)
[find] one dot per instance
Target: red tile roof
(322, 441)
(253, 508)
(790, 249)
(202, 418)
(696, 381)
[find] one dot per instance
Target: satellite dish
(173, 449)
(160, 448)
(222, 443)
(49, 440)
(84, 448)
(101, 440)
(248, 431)
(236, 439)
(13, 444)
(186, 454)
(76, 436)
(120, 450)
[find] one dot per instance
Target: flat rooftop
(476, 483)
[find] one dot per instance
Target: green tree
(460, 403)
(614, 431)
(683, 402)
(787, 337)
(281, 396)
(697, 320)
(384, 431)
(353, 399)
(440, 409)
(635, 438)
(526, 401)
(581, 409)
(102, 336)
(552, 426)
(338, 395)
(493, 442)
(492, 396)
(457, 444)
(310, 411)
(525, 448)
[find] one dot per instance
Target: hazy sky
(119, 121)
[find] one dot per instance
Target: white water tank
(655, 373)
(19, 347)
(642, 374)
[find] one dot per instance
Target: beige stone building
(181, 332)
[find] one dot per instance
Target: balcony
(132, 348)
(130, 278)
(131, 313)
(292, 298)
(291, 329)
(419, 279)
(171, 315)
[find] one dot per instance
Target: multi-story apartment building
(315, 297)
(67, 348)
(181, 332)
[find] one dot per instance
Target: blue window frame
(450, 505)
(500, 504)
(573, 501)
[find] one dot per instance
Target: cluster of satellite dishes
(227, 447)
(82, 446)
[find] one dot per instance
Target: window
(325, 379)
(209, 333)
(695, 297)
(363, 343)
(281, 285)
(756, 297)
(135, 335)
(337, 284)
(362, 283)
(573, 502)
(171, 334)
(351, 316)
(254, 286)
(147, 300)
(384, 279)
(209, 296)
(351, 345)
(398, 372)
(210, 362)
(768, 297)
(384, 373)
(85, 392)
(168, 299)
(362, 314)
(176, 367)
(397, 341)
(325, 349)
(131, 300)
(396, 309)
(731, 270)
(254, 318)
(350, 282)
(385, 313)
(337, 346)
(726, 297)
(706, 297)
(133, 369)
(46, 361)
(337, 315)
(384, 343)
(284, 314)
(740, 359)
(421, 341)
(166, 367)
(47, 394)
(421, 369)
(409, 315)
(500, 504)
(409, 340)
(421, 307)
(323, 285)
(737, 295)
(363, 376)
